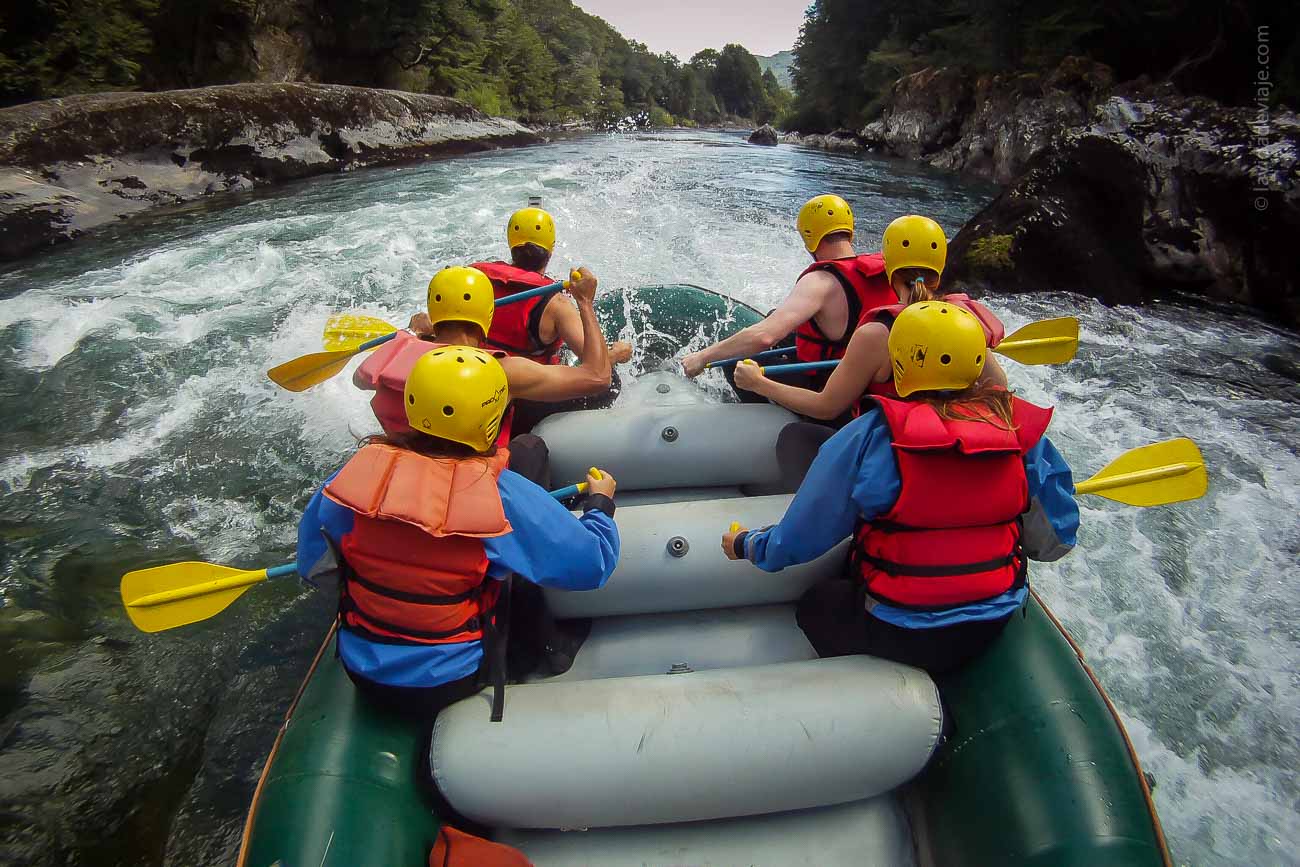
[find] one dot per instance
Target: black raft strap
(496, 639)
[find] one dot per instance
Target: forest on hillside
(536, 60)
(850, 52)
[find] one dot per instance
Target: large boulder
(67, 165)
(1158, 193)
(987, 125)
(764, 135)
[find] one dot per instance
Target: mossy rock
(991, 253)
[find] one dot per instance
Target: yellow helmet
(936, 346)
(820, 217)
(531, 226)
(914, 242)
(461, 295)
(459, 394)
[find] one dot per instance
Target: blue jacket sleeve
(854, 476)
(322, 514)
(549, 546)
(1052, 521)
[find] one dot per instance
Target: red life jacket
(993, 334)
(516, 327)
(863, 280)
(385, 373)
(415, 570)
(953, 536)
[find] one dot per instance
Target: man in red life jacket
(536, 329)
(828, 298)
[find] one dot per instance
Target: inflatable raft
(697, 726)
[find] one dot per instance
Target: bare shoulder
(818, 282)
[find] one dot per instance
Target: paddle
(1154, 475)
(178, 594)
(345, 331)
(1162, 473)
(305, 371)
(771, 353)
(1050, 341)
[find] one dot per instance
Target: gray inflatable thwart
(671, 561)
(701, 446)
(871, 832)
(687, 747)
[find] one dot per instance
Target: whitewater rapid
(140, 428)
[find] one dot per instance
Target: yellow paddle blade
(1154, 475)
(1051, 341)
(350, 330)
(308, 370)
(178, 594)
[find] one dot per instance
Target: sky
(687, 26)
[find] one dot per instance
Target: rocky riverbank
(1121, 192)
(68, 165)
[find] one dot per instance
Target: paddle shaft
(1137, 477)
(771, 353)
(230, 582)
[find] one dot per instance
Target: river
(142, 429)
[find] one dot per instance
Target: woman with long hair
(946, 491)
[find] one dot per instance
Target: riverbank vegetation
(849, 54)
(541, 61)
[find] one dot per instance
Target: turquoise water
(140, 429)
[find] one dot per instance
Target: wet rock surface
(988, 125)
(1157, 193)
(764, 135)
(68, 165)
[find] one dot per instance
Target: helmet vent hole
(466, 296)
(830, 213)
(907, 243)
(437, 297)
(410, 398)
(979, 359)
(945, 359)
(538, 228)
(944, 311)
(448, 410)
(460, 360)
(934, 245)
(482, 360)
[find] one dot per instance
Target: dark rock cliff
(67, 165)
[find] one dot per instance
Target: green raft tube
(696, 725)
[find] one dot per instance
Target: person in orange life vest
(426, 526)
(945, 490)
(460, 311)
(915, 252)
(827, 300)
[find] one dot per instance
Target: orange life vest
(415, 569)
(953, 536)
(385, 373)
(516, 327)
(863, 280)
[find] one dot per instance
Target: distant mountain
(780, 64)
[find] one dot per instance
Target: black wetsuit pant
(831, 615)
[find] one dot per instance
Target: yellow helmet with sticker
(822, 216)
(936, 346)
(457, 393)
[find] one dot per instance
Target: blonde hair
(980, 401)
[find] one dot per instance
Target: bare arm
(804, 302)
(562, 320)
(866, 357)
(554, 382)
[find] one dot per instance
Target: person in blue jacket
(946, 495)
(425, 531)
